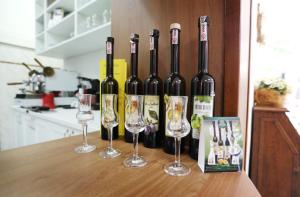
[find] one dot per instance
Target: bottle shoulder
(132, 79)
(174, 77)
(153, 80)
(203, 77)
(109, 80)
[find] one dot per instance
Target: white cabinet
(19, 128)
(52, 131)
(49, 131)
(30, 129)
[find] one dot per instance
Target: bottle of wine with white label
(174, 85)
(153, 102)
(133, 85)
(109, 85)
(202, 89)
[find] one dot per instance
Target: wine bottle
(133, 85)
(153, 98)
(109, 85)
(202, 89)
(174, 85)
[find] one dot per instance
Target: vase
(268, 97)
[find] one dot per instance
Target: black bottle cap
(134, 37)
(154, 33)
(110, 39)
(203, 19)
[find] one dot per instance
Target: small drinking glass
(110, 120)
(178, 127)
(84, 115)
(134, 123)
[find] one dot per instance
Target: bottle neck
(175, 49)
(154, 56)
(109, 59)
(203, 52)
(134, 59)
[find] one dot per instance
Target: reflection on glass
(110, 120)
(134, 123)
(84, 115)
(179, 127)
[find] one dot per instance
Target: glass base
(109, 153)
(135, 162)
(174, 169)
(85, 148)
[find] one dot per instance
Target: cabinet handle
(67, 133)
(31, 127)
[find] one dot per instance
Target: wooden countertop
(54, 169)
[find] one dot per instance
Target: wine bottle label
(203, 31)
(203, 107)
(151, 113)
(175, 36)
(108, 48)
(132, 47)
(173, 112)
(151, 43)
(131, 108)
(107, 107)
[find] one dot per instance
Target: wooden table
(54, 169)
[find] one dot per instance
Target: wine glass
(178, 127)
(110, 120)
(83, 116)
(134, 123)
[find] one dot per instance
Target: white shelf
(66, 25)
(80, 32)
(67, 5)
(39, 8)
(40, 17)
(94, 6)
(86, 42)
(40, 35)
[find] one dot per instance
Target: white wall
(86, 65)
(17, 22)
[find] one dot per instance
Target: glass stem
(110, 134)
(84, 128)
(135, 145)
(177, 151)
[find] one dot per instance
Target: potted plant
(271, 92)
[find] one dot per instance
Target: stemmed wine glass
(135, 124)
(110, 120)
(84, 115)
(179, 127)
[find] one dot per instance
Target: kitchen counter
(62, 116)
(54, 169)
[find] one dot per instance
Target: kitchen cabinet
(51, 131)
(18, 132)
(29, 132)
(30, 129)
(81, 30)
